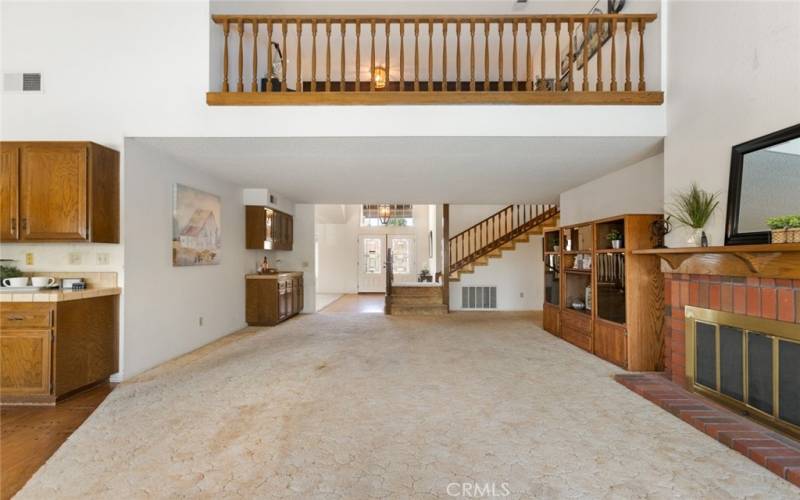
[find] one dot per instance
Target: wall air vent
(22, 82)
(479, 297)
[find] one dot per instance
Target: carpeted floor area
(372, 406)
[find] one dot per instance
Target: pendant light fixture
(384, 213)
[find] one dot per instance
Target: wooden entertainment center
(605, 300)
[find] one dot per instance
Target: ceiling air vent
(22, 82)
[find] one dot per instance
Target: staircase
(498, 233)
(415, 299)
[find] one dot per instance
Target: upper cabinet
(59, 191)
(268, 229)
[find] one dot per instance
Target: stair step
(428, 291)
(410, 300)
(418, 310)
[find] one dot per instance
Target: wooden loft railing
(512, 59)
(495, 231)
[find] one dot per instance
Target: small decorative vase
(695, 238)
(616, 244)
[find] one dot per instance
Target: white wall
(163, 303)
(338, 246)
(517, 272)
(637, 189)
(465, 216)
(734, 75)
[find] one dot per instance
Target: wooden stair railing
(428, 59)
(495, 231)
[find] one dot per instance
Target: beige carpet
(368, 406)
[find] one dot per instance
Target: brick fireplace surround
(775, 299)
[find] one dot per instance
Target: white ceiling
(466, 170)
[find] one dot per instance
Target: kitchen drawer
(576, 320)
(577, 337)
(18, 316)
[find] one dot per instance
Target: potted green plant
(693, 209)
(785, 228)
(9, 271)
(615, 238)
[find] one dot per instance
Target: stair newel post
(447, 267)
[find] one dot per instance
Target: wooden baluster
(372, 57)
(402, 56)
(599, 86)
(500, 83)
(342, 58)
(285, 29)
(416, 55)
(557, 59)
(269, 55)
(254, 84)
(388, 65)
(585, 85)
(528, 55)
(514, 32)
(226, 30)
(444, 55)
(458, 55)
(430, 55)
(642, 85)
(486, 28)
(472, 55)
(358, 55)
(571, 68)
(328, 55)
(627, 55)
(240, 84)
(613, 30)
(299, 84)
(314, 55)
(543, 26)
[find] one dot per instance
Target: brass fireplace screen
(751, 364)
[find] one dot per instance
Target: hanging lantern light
(384, 213)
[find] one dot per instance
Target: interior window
(401, 215)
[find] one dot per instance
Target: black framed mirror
(764, 183)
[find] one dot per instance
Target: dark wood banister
(389, 277)
(480, 239)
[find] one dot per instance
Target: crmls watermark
(478, 490)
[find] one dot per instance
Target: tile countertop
(280, 274)
(58, 295)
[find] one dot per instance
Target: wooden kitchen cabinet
(268, 229)
(272, 298)
(50, 350)
(9, 194)
(59, 191)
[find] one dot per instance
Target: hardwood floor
(30, 434)
(357, 303)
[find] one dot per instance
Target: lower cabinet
(270, 299)
(610, 342)
(551, 321)
(49, 350)
(576, 328)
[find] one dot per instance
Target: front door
(371, 272)
(402, 258)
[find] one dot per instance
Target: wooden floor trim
(432, 98)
